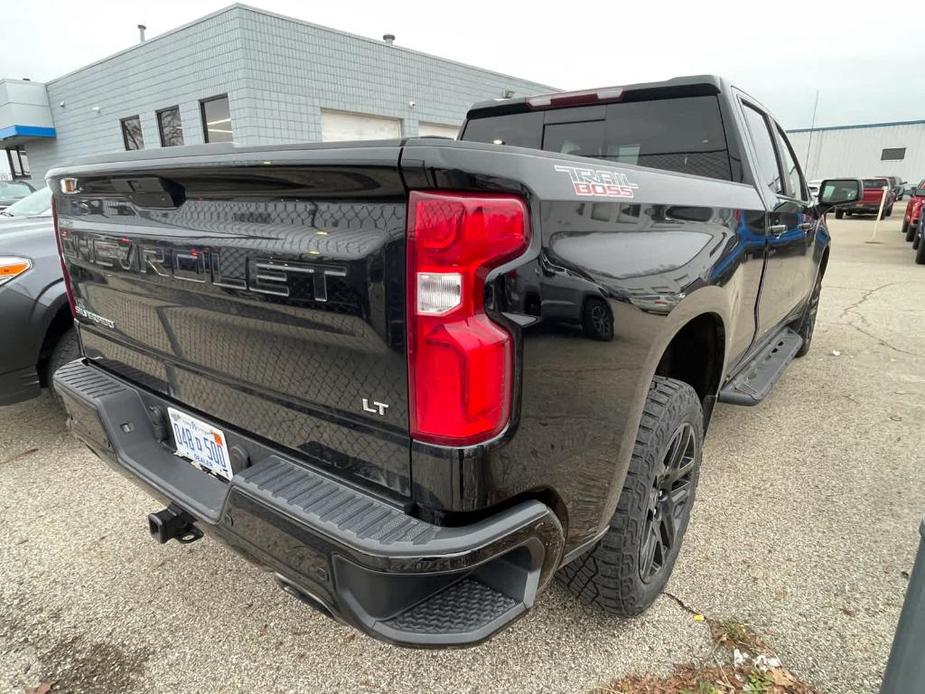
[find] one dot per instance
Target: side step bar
(753, 382)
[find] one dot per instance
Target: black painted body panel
(670, 249)
(657, 261)
(273, 302)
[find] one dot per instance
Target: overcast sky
(868, 62)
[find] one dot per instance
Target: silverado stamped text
(417, 379)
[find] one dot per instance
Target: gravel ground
(807, 517)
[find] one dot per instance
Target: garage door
(337, 126)
(427, 129)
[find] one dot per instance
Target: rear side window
(684, 134)
(766, 159)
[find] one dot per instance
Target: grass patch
(733, 633)
(712, 679)
(741, 663)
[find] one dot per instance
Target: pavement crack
(683, 605)
(882, 341)
(851, 311)
(18, 456)
(865, 296)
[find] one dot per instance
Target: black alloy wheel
(669, 501)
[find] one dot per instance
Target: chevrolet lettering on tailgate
(259, 273)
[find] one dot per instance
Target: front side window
(791, 170)
(216, 119)
(170, 126)
(766, 160)
(131, 133)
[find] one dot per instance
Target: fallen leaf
(699, 617)
(41, 687)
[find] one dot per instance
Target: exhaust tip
(303, 596)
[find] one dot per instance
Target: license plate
(200, 443)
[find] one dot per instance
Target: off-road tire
(66, 349)
(905, 231)
(806, 325)
(610, 574)
(916, 240)
(889, 211)
(839, 214)
(920, 251)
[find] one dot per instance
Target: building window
(216, 119)
(19, 163)
(168, 122)
(131, 133)
(893, 154)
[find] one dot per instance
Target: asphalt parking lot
(806, 521)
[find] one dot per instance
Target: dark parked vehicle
(36, 331)
(416, 378)
(913, 214)
(871, 200)
(13, 191)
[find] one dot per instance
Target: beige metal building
(876, 149)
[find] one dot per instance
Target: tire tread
(607, 576)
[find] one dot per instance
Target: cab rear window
(683, 134)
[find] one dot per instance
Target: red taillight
(460, 362)
(59, 242)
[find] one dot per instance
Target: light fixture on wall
(96, 109)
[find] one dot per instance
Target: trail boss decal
(599, 183)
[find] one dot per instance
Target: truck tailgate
(259, 296)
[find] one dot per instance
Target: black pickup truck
(415, 379)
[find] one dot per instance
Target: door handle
(807, 226)
(777, 229)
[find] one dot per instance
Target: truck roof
(693, 85)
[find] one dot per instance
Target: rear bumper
(358, 557)
(870, 208)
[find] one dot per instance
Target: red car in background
(914, 211)
(870, 200)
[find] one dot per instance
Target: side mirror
(839, 191)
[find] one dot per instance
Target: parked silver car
(36, 323)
